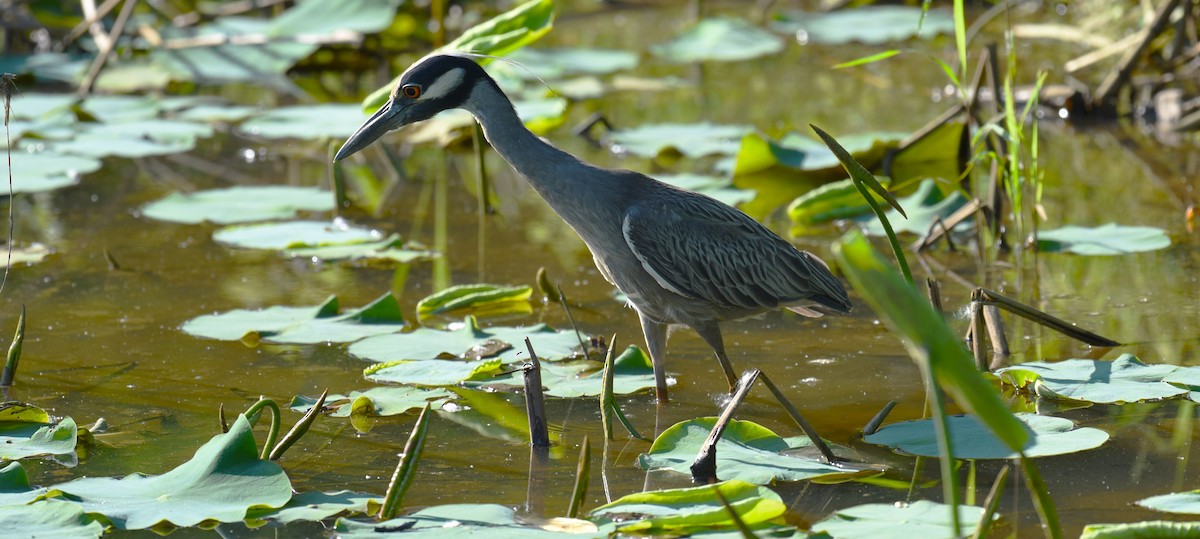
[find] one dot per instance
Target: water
(106, 343)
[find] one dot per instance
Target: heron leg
(711, 333)
(656, 344)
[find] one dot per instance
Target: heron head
(435, 83)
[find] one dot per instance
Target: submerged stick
(704, 467)
(14, 352)
(1041, 317)
(535, 404)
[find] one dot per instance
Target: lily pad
(48, 170)
(461, 520)
(241, 204)
(317, 506)
(1122, 380)
(389, 249)
(539, 116)
(836, 200)
(221, 482)
(970, 439)
(24, 255)
(679, 510)
(295, 235)
(746, 451)
(924, 207)
(557, 63)
(308, 122)
(377, 401)
(691, 140)
(1104, 240)
(21, 439)
(425, 343)
(432, 372)
(918, 519)
(471, 296)
(48, 518)
(721, 189)
(1184, 503)
(632, 372)
(722, 39)
(14, 486)
(301, 325)
(1141, 530)
(870, 24)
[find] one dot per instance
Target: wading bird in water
(680, 257)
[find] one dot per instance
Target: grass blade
(868, 59)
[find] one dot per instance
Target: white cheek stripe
(443, 84)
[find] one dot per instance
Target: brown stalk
(1057, 324)
(106, 48)
(535, 404)
(1120, 73)
(704, 468)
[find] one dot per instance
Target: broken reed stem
(1120, 72)
(14, 351)
(995, 329)
(801, 422)
(875, 422)
(704, 467)
(1057, 324)
(940, 228)
(299, 428)
(935, 295)
(535, 405)
(977, 333)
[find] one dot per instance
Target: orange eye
(411, 91)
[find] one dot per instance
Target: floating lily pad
(48, 170)
(870, 24)
(425, 343)
(746, 451)
(222, 481)
(691, 140)
(1125, 379)
(217, 113)
(389, 249)
(1184, 503)
(49, 518)
(970, 439)
(301, 325)
(796, 151)
(472, 296)
(1109, 239)
(39, 105)
(134, 139)
(923, 207)
(14, 485)
(240, 204)
(918, 519)
(1153, 529)
(721, 189)
(377, 401)
(21, 438)
(557, 63)
(433, 372)
(722, 39)
(309, 122)
(539, 116)
(24, 255)
(632, 372)
(462, 520)
(679, 510)
(317, 506)
(295, 235)
(836, 200)
(120, 108)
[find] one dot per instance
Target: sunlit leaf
(20, 439)
(316, 506)
(1185, 503)
(222, 481)
(837, 200)
(679, 510)
(746, 451)
(389, 249)
(425, 343)
(802, 152)
(319, 17)
(432, 372)
(970, 439)
(301, 325)
(1109, 239)
(868, 24)
(722, 39)
(295, 235)
(923, 207)
(48, 518)
(691, 140)
(377, 401)
(1122, 380)
(240, 204)
(48, 170)
(14, 485)
(921, 518)
(471, 296)
(1154, 529)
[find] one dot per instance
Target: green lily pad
(315, 17)
(308, 122)
(39, 105)
(48, 170)
(680, 510)
(21, 439)
(1104, 240)
(836, 200)
(432, 372)
(389, 249)
(746, 451)
(377, 401)
(239, 204)
(295, 235)
(801, 152)
(1122, 380)
(721, 189)
(14, 486)
(691, 140)
(1184, 503)
(472, 296)
(134, 139)
(924, 207)
(120, 108)
(632, 372)
(539, 116)
(217, 113)
(455, 520)
(49, 518)
(872, 25)
(721, 39)
(425, 343)
(557, 63)
(221, 482)
(301, 325)
(1155, 529)
(317, 506)
(921, 518)
(970, 439)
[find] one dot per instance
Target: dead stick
(535, 405)
(1057, 324)
(875, 422)
(1119, 75)
(803, 423)
(954, 219)
(704, 468)
(995, 329)
(935, 295)
(102, 57)
(977, 332)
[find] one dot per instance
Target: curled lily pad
(1109, 239)
(921, 518)
(868, 24)
(49, 518)
(1146, 529)
(472, 296)
(241, 204)
(1125, 379)
(301, 325)
(679, 510)
(22, 438)
(691, 140)
(425, 343)
(221, 482)
(746, 451)
(722, 39)
(14, 485)
(971, 440)
(377, 401)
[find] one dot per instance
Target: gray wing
(700, 248)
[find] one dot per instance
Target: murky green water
(106, 343)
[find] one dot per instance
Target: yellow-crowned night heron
(679, 256)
